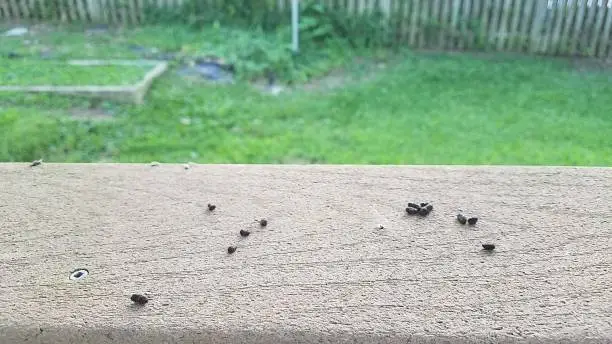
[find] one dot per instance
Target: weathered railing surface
(322, 270)
(559, 27)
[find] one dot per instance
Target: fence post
(295, 25)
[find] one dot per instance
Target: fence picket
(72, 10)
(32, 9)
(414, 21)
(454, 24)
(484, 24)
(4, 13)
(14, 9)
(494, 23)
(514, 25)
(464, 18)
(25, 11)
(589, 25)
(570, 17)
(445, 37)
(604, 42)
(557, 18)
(596, 32)
(471, 24)
(82, 14)
(503, 40)
(538, 18)
(436, 36)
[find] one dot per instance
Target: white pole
(295, 25)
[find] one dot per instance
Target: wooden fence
(555, 27)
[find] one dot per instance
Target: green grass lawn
(56, 73)
(422, 109)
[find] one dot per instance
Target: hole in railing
(79, 274)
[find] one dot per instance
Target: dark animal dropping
(231, 249)
(429, 207)
(244, 233)
(423, 212)
(263, 222)
(412, 211)
(424, 204)
(139, 299)
(472, 220)
(462, 219)
(211, 207)
(413, 205)
(488, 247)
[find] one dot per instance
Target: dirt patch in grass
(362, 70)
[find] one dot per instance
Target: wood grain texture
(321, 271)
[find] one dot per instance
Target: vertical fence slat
(484, 24)
(104, 9)
(123, 11)
(141, 4)
(604, 42)
(133, 9)
(5, 10)
(72, 10)
(503, 38)
(535, 38)
(514, 25)
(577, 29)
(414, 19)
(589, 26)
(464, 18)
(403, 27)
(14, 9)
(525, 25)
(113, 10)
(81, 11)
(401, 21)
(596, 32)
(398, 18)
(570, 17)
(8, 13)
(445, 27)
(25, 11)
(558, 32)
(424, 23)
(436, 36)
(454, 25)
(551, 18)
(494, 24)
(473, 18)
(63, 15)
(32, 9)
(95, 10)
(41, 9)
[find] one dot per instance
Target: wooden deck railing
(339, 260)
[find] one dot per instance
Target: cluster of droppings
(422, 209)
(463, 220)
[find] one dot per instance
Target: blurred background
(373, 81)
